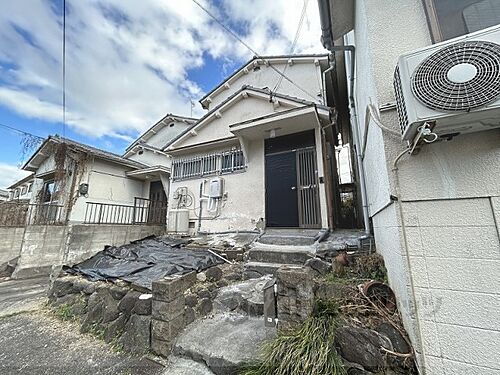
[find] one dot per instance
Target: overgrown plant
(370, 267)
(309, 349)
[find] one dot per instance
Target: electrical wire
(234, 35)
(294, 44)
(22, 132)
(64, 70)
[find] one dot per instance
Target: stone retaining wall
(181, 299)
(117, 314)
(139, 322)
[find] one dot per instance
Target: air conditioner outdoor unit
(452, 86)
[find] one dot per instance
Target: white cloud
(128, 60)
(9, 174)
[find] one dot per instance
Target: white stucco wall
(167, 133)
(151, 158)
(450, 197)
(108, 183)
(306, 75)
(245, 204)
(242, 109)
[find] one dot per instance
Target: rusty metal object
(380, 294)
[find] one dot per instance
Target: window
(30, 188)
(49, 191)
(16, 193)
(24, 190)
(209, 164)
(451, 18)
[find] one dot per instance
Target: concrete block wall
(42, 247)
(11, 240)
(86, 240)
(454, 250)
(168, 311)
(46, 246)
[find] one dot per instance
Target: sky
(128, 63)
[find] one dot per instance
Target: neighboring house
(436, 214)
(4, 195)
(90, 185)
(22, 189)
(258, 158)
(82, 180)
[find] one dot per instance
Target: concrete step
(245, 297)
(275, 254)
(255, 270)
(286, 240)
(223, 342)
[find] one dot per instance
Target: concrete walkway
(22, 295)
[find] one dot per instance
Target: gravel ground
(37, 343)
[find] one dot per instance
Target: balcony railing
(20, 214)
(144, 211)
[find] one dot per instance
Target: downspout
(331, 61)
(328, 43)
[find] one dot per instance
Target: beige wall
(441, 241)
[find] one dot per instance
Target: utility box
(216, 188)
(178, 221)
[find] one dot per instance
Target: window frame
(44, 190)
(209, 164)
(433, 21)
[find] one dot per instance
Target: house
(83, 198)
(21, 190)
(263, 155)
(4, 195)
(84, 184)
(435, 214)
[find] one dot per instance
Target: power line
(234, 35)
(19, 131)
(64, 71)
(295, 40)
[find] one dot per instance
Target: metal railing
(20, 214)
(144, 211)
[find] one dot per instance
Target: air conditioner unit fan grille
(433, 87)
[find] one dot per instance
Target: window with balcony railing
(211, 164)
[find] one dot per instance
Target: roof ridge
(265, 57)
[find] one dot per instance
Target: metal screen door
(307, 188)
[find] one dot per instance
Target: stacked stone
(295, 295)
(168, 311)
(116, 313)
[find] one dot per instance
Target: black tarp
(143, 261)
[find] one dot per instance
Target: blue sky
(128, 63)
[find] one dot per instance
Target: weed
(97, 331)
(309, 349)
(370, 267)
(64, 312)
